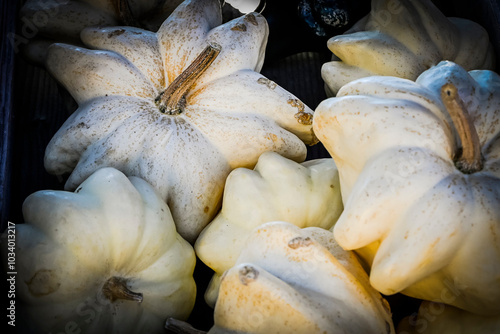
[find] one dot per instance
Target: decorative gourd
(403, 38)
(292, 280)
(104, 259)
(437, 318)
(304, 194)
(421, 190)
(179, 108)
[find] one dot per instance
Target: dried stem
(469, 159)
(172, 101)
(116, 288)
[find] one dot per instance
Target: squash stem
(468, 158)
(173, 100)
(116, 288)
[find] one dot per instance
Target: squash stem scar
(116, 288)
(248, 274)
(173, 99)
(468, 158)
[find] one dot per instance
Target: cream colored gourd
(403, 38)
(305, 194)
(436, 318)
(179, 108)
(293, 280)
(103, 259)
(426, 223)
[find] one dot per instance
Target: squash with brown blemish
(305, 194)
(293, 280)
(419, 167)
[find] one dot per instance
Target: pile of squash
(180, 149)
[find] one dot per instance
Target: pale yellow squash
(179, 108)
(403, 38)
(103, 259)
(293, 280)
(421, 200)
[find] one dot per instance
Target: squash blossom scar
(248, 274)
(116, 288)
(299, 242)
(42, 283)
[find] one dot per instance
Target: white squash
(104, 259)
(421, 198)
(404, 38)
(305, 194)
(292, 280)
(179, 108)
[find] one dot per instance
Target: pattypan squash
(103, 259)
(419, 167)
(179, 108)
(403, 38)
(46, 22)
(304, 194)
(438, 318)
(293, 280)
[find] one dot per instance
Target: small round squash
(179, 108)
(304, 194)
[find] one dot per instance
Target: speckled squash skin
(426, 228)
(293, 280)
(403, 38)
(231, 113)
(73, 243)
